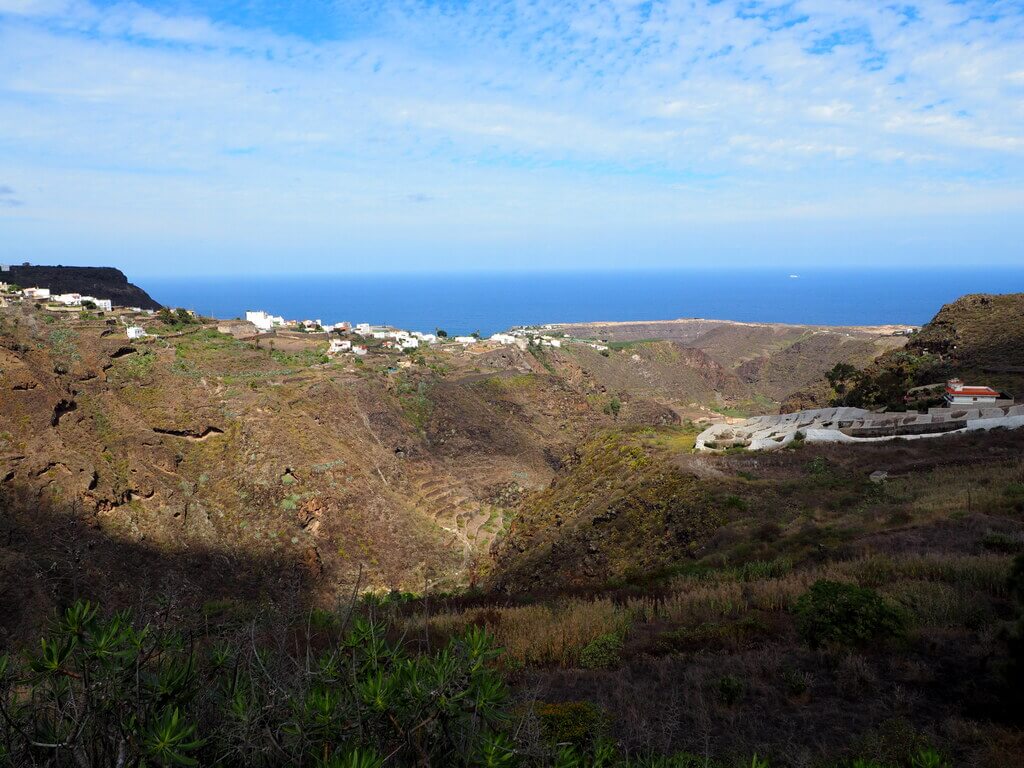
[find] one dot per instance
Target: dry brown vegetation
(613, 565)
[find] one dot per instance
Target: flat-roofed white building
(264, 321)
(136, 331)
(104, 305)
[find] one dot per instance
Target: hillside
(244, 494)
(267, 458)
(976, 338)
(101, 282)
(744, 368)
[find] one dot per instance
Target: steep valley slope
(740, 368)
(214, 465)
(643, 595)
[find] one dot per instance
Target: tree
(613, 407)
(441, 333)
(841, 376)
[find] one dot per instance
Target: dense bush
(103, 692)
(833, 613)
(602, 652)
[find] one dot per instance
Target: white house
(136, 331)
(426, 338)
(406, 341)
(465, 339)
(263, 321)
(36, 293)
(260, 319)
(68, 299)
(359, 350)
(957, 393)
(363, 329)
(338, 346)
(104, 305)
(503, 338)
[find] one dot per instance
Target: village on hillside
(342, 338)
(956, 406)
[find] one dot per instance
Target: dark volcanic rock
(101, 282)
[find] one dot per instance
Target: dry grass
(536, 634)
(947, 491)
(935, 590)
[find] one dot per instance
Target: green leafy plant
(602, 652)
(928, 758)
(833, 613)
(101, 691)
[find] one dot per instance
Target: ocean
(490, 302)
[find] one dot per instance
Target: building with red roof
(958, 393)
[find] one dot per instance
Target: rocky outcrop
(101, 282)
(855, 425)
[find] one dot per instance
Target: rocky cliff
(101, 282)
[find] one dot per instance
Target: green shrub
(102, 691)
(795, 682)
(833, 613)
(602, 652)
(928, 758)
(578, 724)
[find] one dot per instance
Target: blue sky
(210, 137)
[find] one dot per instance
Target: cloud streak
(579, 124)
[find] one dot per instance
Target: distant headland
(102, 282)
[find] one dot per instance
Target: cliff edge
(101, 282)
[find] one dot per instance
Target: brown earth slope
(266, 458)
(736, 368)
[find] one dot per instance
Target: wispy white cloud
(582, 122)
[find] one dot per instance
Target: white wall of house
(970, 399)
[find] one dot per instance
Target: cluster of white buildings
(397, 339)
(66, 299)
(524, 337)
(78, 300)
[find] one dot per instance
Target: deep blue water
(492, 302)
